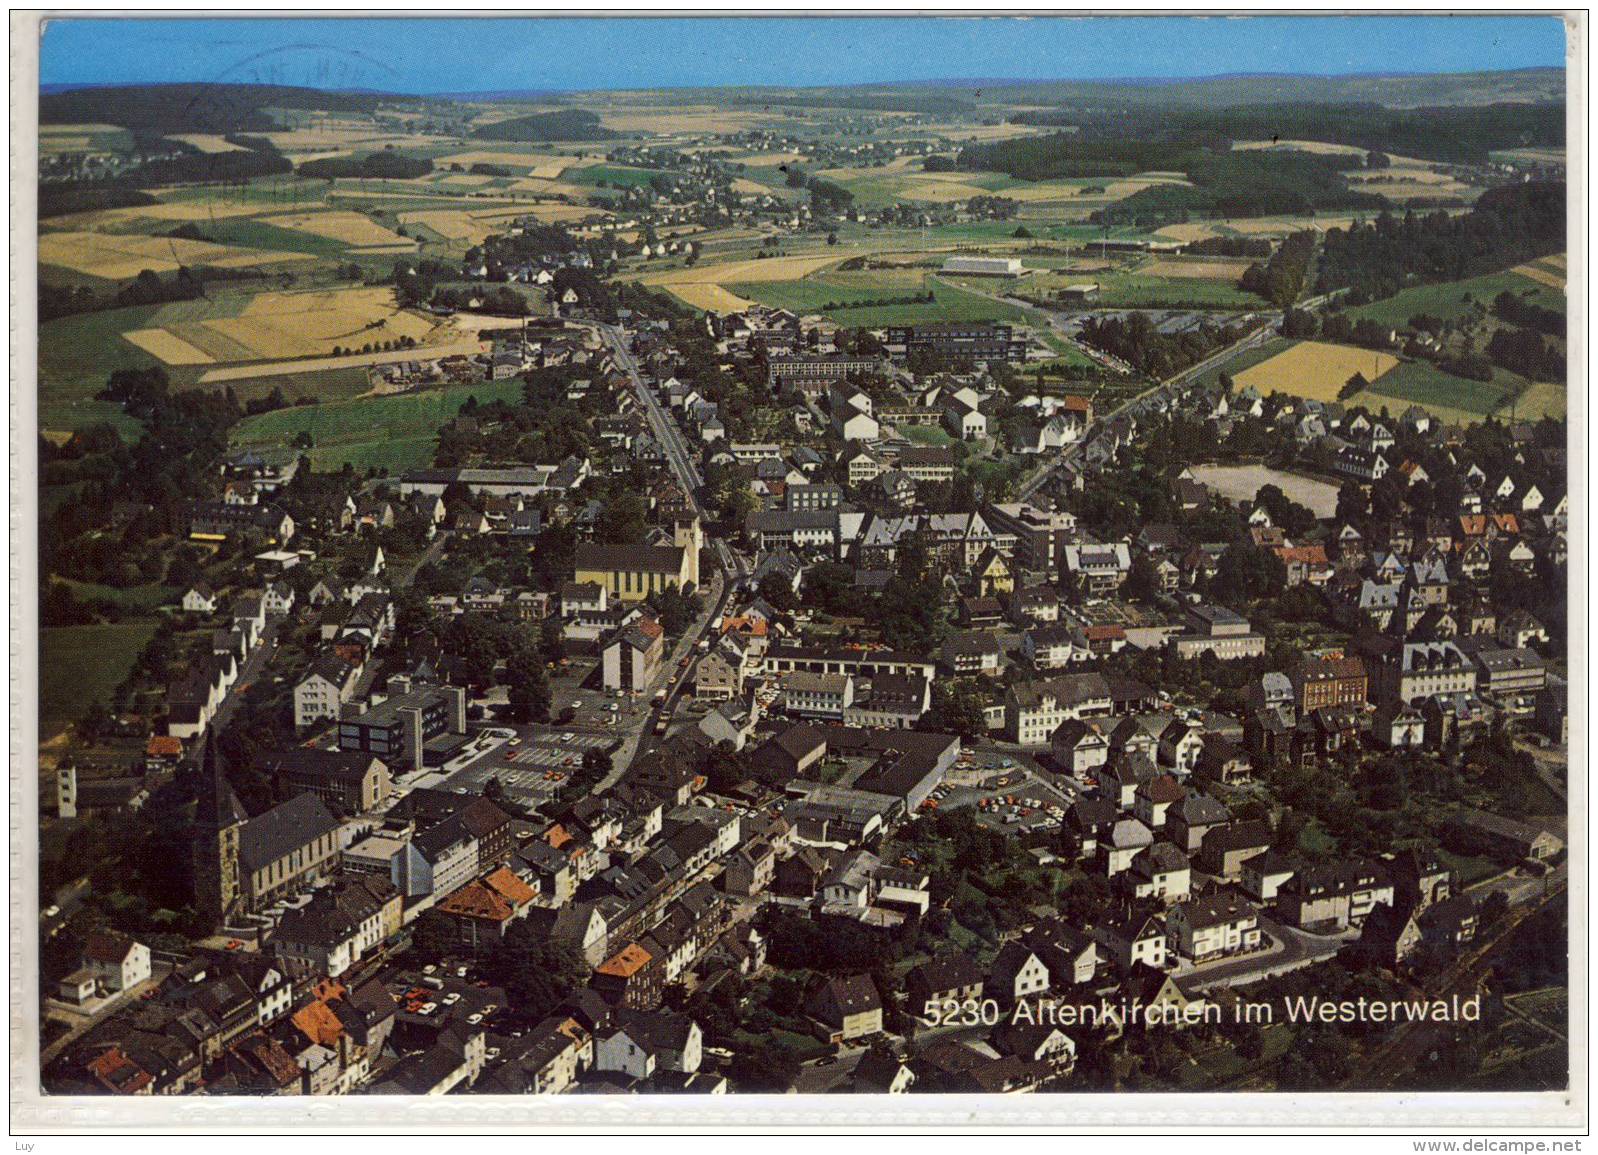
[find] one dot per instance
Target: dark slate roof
(297, 822)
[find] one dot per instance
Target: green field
(949, 303)
(145, 597)
(1422, 383)
(615, 175)
(82, 664)
(76, 355)
(814, 293)
(1449, 299)
(393, 433)
(1133, 290)
(257, 234)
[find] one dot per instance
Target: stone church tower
(688, 534)
(218, 818)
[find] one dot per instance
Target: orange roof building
(626, 962)
(120, 1074)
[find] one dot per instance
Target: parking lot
(1008, 792)
(530, 762)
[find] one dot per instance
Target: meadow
(76, 355)
(83, 664)
(395, 432)
(1446, 396)
(1451, 299)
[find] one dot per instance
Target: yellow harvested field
(168, 347)
(290, 325)
(1540, 400)
(114, 219)
(304, 324)
(75, 129)
(549, 188)
(117, 256)
(474, 225)
(1314, 370)
(753, 188)
(464, 179)
(1557, 261)
(208, 142)
(712, 298)
(462, 348)
(1210, 269)
(346, 227)
(1404, 189)
(1114, 190)
(555, 213)
(988, 131)
(1542, 275)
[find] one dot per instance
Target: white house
(199, 599)
(116, 961)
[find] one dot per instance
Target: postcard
(715, 561)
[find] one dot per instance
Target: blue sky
(421, 56)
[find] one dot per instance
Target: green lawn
(396, 432)
(926, 434)
(1448, 299)
(1470, 870)
(76, 355)
(82, 664)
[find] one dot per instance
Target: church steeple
(218, 807)
(217, 821)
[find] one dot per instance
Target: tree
(832, 238)
(1142, 583)
(528, 687)
(956, 709)
(1249, 571)
(536, 972)
(596, 762)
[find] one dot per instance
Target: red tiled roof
(625, 963)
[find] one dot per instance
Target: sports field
(1314, 370)
(1196, 268)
